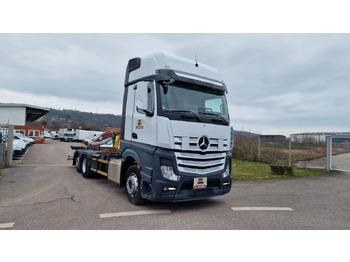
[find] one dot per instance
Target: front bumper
(161, 189)
(184, 189)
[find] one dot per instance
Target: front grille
(191, 144)
(200, 164)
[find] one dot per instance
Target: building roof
(319, 133)
(32, 112)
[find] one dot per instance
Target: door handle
(134, 135)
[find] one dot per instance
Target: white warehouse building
(19, 114)
(318, 137)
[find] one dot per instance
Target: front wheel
(133, 186)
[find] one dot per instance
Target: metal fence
(280, 151)
(6, 144)
(338, 153)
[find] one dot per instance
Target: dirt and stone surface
(339, 162)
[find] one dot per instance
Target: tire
(85, 167)
(78, 164)
(133, 186)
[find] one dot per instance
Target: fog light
(167, 172)
(169, 188)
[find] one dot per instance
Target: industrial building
(273, 138)
(13, 117)
(19, 114)
(314, 137)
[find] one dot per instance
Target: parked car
(108, 144)
(24, 138)
(100, 143)
(88, 139)
(20, 141)
(103, 136)
(19, 147)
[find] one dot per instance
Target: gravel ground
(339, 162)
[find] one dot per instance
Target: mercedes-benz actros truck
(176, 138)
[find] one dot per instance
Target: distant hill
(57, 119)
(245, 133)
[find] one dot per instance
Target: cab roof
(150, 64)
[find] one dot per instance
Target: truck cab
(176, 136)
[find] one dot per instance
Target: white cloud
(275, 81)
(59, 103)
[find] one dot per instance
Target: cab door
(144, 120)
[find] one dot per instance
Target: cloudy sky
(278, 83)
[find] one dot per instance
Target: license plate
(199, 183)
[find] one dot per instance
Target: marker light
(227, 172)
(199, 78)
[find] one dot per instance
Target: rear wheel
(133, 186)
(85, 167)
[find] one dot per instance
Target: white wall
(309, 138)
(13, 115)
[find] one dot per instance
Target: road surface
(45, 192)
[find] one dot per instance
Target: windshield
(189, 102)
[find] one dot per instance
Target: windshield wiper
(186, 111)
(217, 115)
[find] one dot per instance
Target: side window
(150, 91)
(145, 98)
(33, 133)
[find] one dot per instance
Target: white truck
(80, 135)
(176, 137)
(66, 134)
(54, 135)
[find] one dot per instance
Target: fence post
(290, 153)
(259, 149)
(9, 145)
(329, 153)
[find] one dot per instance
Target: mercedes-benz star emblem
(203, 143)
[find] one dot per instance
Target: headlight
(227, 171)
(167, 172)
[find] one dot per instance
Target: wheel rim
(77, 162)
(132, 185)
(83, 165)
